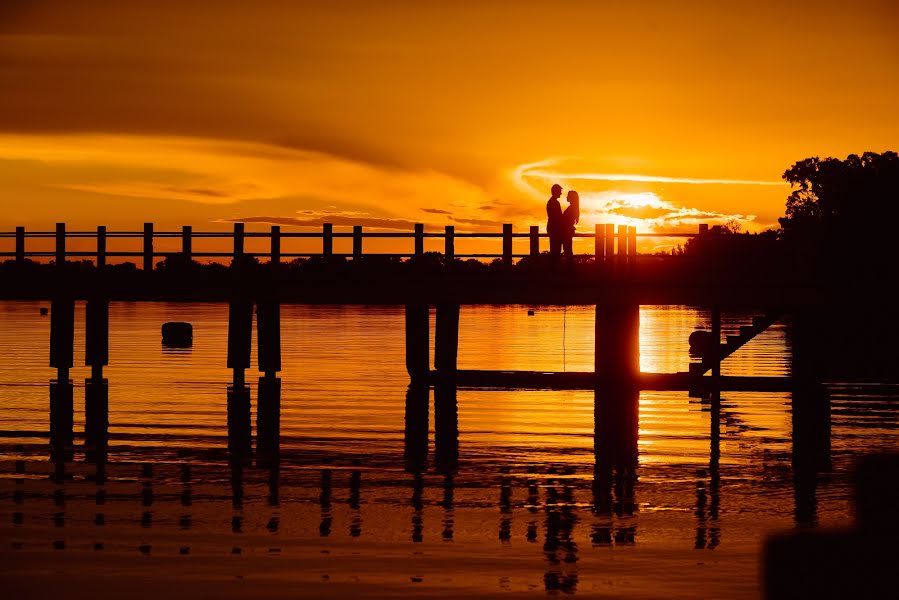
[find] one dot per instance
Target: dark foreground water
(345, 496)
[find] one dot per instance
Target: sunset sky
(384, 114)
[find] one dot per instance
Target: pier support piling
(446, 427)
(617, 344)
(240, 332)
(268, 331)
(268, 420)
(62, 335)
(415, 441)
(446, 339)
(417, 341)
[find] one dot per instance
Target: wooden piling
(240, 328)
(449, 243)
(327, 239)
(507, 244)
(20, 245)
(415, 438)
(716, 351)
(268, 331)
(703, 228)
(446, 339)
(617, 344)
(60, 246)
(419, 239)
(535, 241)
(61, 419)
(357, 242)
(96, 418)
(239, 423)
(239, 238)
(148, 247)
(268, 418)
(275, 253)
(62, 335)
(96, 338)
(101, 247)
(187, 243)
(417, 341)
(446, 427)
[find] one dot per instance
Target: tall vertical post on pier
(20, 245)
(415, 438)
(535, 241)
(507, 244)
(419, 239)
(187, 249)
(148, 247)
(449, 244)
(446, 339)
(357, 242)
(327, 239)
(62, 345)
(60, 248)
(240, 315)
(101, 248)
(275, 248)
(268, 329)
(239, 237)
(617, 344)
(417, 341)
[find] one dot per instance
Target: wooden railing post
(599, 242)
(238, 241)
(535, 240)
(275, 256)
(507, 243)
(631, 245)
(148, 246)
(622, 243)
(357, 242)
(20, 244)
(327, 239)
(703, 228)
(187, 249)
(101, 247)
(449, 239)
(610, 242)
(60, 245)
(419, 239)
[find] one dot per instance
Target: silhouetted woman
(570, 218)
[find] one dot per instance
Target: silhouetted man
(554, 226)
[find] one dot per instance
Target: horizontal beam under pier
(585, 380)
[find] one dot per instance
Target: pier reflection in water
(565, 491)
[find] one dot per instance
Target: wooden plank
(599, 242)
(449, 243)
(357, 242)
(327, 239)
(60, 245)
(275, 245)
(535, 240)
(101, 247)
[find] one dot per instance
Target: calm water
(529, 505)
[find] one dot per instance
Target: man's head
(556, 190)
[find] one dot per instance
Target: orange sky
(390, 113)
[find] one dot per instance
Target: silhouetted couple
(561, 225)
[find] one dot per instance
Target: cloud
(436, 211)
(334, 219)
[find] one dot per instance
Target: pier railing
(609, 243)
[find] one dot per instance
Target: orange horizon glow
(369, 114)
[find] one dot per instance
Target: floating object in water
(530, 313)
(45, 311)
(177, 334)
